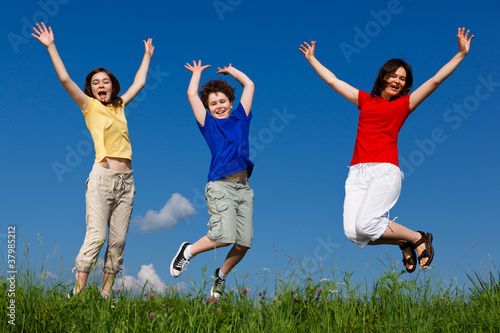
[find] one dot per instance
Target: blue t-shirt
(228, 143)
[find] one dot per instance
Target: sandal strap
(429, 250)
(409, 261)
(421, 240)
(405, 246)
(423, 255)
(412, 260)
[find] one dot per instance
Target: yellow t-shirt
(108, 127)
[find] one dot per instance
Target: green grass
(327, 301)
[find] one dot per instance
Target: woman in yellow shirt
(110, 187)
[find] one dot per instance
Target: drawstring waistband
(119, 178)
(121, 181)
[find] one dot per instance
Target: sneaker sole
(181, 248)
(216, 294)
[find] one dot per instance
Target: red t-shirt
(378, 127)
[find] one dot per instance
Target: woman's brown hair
(390, 67)
(115, 86)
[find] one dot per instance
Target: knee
(96, 231)
(350, 228)
(350, 233)
(240, 248)
(101, 240)
(218, 244)
(365, 226)
(96, 244)
(361, 225)
(117, 242)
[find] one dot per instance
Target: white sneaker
(106, 297)
(179, 263)
(219, 284)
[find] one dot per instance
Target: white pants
(371, 190)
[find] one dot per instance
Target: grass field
(395, 302)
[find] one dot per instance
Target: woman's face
(395, 83)
(219, 105)
(101, 87)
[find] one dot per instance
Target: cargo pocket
(216, 202)
(220, 201)
(216, 205)
(215, 227)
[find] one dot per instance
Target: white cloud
(176, 209)
(46, 275)
(146, 277)
(181, 287)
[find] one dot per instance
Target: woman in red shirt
(374, 181)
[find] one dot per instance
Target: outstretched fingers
(462, 34)
(44, 35)
(196, 67)
(38, 33)
(41, 29)
(224, 70)
(149, 47)
(464, 40)
(308, 50)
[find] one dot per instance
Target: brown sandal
(411, 260)
(429, 250)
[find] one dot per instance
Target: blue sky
(302, 131)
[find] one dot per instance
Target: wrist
(311, 58)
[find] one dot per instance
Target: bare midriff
(238, 176)
(117, 164)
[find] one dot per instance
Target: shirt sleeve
(241, 114)
(206, 128)
(90, 104)
(407, 104)
(362, 98)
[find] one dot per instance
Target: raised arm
(347, 91)
(142, 73)
(194, 99)
(419, 95)
(46, 37)
(248, 86)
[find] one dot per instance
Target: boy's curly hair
(214, 86)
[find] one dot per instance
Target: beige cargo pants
(109, 198)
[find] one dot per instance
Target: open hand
(148, 47)
(308, 50)
(196, 67)
(225, 70)
(464, 40)
(44, 35)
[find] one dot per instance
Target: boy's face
(219, 105)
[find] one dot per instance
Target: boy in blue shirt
(229, 196)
